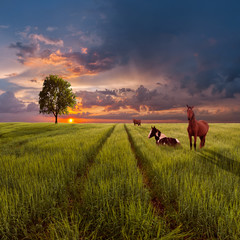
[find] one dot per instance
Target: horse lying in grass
(161, 138)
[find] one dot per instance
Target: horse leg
(195, 141)
(201, 143)
(190, 139)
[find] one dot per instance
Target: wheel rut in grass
(73, 190)
(157, 205)
(98, 149)
(75, 193)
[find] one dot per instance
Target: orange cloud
(53, 59)
(84, 50)
(69, 67)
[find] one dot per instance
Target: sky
(124, 59)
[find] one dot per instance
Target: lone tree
(56, 96)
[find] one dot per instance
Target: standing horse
(161, 138)
(196, 128)
(138, 122)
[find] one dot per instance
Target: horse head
(190, 113)
(152, 132)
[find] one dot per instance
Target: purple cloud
(10, 104)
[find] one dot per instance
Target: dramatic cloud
(95, 60)
(108, 92)
(32, 107)
(25, 50)
(90, 99)
(128, 58)
(10, 104)
(177, 41)
(143, 94)
(140, 99)
(72, 64)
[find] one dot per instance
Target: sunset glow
(120, 70)
(70, 120)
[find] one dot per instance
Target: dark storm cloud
(125, 90)
(180, 51)
(108, 92)
(116, 92)
(149, 104)
(217, 66)
(193, 42)
(96, 60)
(143, 94)
(90, 99)
(139, 99)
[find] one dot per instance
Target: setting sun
(70, 120)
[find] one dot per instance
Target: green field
(109, 181)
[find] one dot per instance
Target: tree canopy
(56, 96)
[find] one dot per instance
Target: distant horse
(138, 122)
(161, 138)
(196, 128)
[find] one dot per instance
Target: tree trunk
(56, 119)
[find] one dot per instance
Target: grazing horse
(161, 138)
(196, 128)
(138, 122)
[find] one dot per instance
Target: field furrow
(39, 165)
(115, 203)
(156, 202)
(199, 190)
(107, 181)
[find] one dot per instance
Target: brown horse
(138, 122)
(196, 128)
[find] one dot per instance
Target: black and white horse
(161, 138)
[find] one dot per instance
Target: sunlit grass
(81, 181)
(38, 163)
(199, 189)
(115, 203)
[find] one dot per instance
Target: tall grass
(115, 203)
(199, 189)
(38, 163)
(81, 181)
